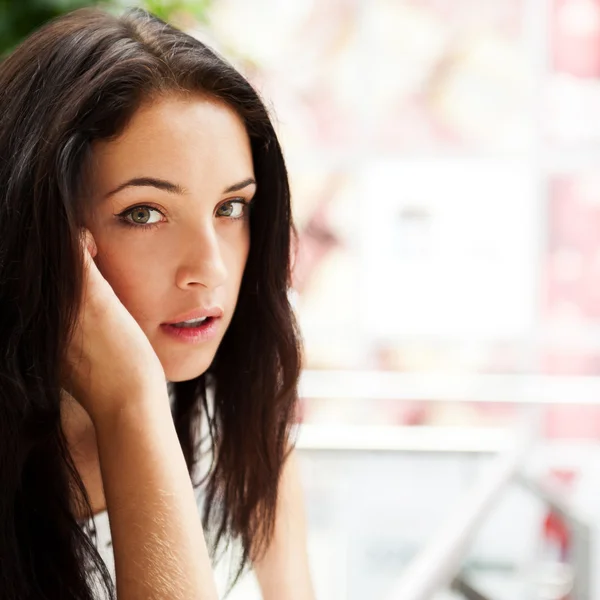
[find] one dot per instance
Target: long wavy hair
(78, 79)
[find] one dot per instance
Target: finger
(89, 243)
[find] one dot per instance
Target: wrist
(137, 404)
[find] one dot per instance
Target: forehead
(195, 141)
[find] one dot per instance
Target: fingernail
(90, 243)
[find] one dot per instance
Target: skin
(193, 256)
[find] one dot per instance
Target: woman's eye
(234, 209)
(143, 215)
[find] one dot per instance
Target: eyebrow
(236, 187)
(173, 188)
(160, 184)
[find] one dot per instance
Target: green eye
(234, 209)
(225, 210)
(140, 215)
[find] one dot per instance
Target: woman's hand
(109, 357)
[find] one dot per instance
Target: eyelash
(123, 215)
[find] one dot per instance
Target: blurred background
(444, 162)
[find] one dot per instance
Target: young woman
(145, 234)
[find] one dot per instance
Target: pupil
(141, 216)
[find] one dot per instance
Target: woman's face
(170, 221)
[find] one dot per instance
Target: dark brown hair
(78, 79)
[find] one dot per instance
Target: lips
(215, 312)
(193, 334)
(192, 323)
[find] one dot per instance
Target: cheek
(238, 258)
(135, 284)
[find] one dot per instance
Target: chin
(184, 372)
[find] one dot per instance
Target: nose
(202, 263)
